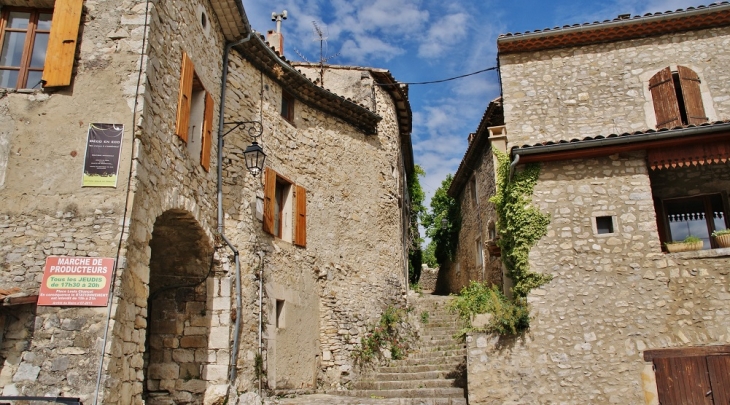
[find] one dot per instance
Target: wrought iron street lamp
(254, 154)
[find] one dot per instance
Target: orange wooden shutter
(269, 195)
(207, 132)
(689, 81)
(185, 97)
(62, 40)
(300, 235)
(666, 106)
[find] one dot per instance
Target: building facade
(215, 270)
(628, 120)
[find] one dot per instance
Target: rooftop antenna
(322, 38)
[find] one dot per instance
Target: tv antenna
(322, 38)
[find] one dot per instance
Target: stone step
(445, 352)
(324, 399)
(405, 376)
(452, 392)
(419, 368)
(433, 360)
(405, 384)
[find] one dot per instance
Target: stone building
(628, 120)
(203, 252)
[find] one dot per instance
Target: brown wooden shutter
(62, 40)
(269, 195)
(185, 97)
(666, 106)
(719, 370)
(682, 381)
(207, 132)
(689, 82)
(300, 235)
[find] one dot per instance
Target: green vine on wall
(520, 224)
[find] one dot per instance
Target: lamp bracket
(254, 128)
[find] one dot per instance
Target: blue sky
(424, 40)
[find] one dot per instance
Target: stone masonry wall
(476, 216)
(45, 211)
(603, 89)
(353, 263)
(168, 178)
(612, 296)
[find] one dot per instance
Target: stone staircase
(434, 373)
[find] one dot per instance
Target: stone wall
(612, 295)
(352, 266)
(477, 214)
(601, 89)
(45, 211)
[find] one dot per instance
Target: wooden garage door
(695, 380)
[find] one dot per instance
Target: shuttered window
(24, 33)
(285, 209)
(61, 49)
(692, 376)
(195, 110)
(677, 98)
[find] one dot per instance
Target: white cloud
(443, 34)
(366, 48)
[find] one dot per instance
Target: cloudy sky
(424, 40)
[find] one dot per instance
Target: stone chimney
(276, 41)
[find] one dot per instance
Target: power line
(442, 80)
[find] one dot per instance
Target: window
(285, 209)
(692, 375)
(473, 187)
(35, 52)
(280, 314)
(287, 106)
(194, 124)
(479, 252)
(693, 216)
(677, 98)
(604, 225)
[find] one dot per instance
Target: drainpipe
(261, 309)
(512, 167)
(237, 328)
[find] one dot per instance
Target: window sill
(702, 254)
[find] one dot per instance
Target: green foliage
(508, 317)
(384, 335)
(520, 224)
(424, 317)
(258, 366)
(691, 239)
(443, 238)
(721, 232)
(416, 287)
(429, 256)
(417, 211)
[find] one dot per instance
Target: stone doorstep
(410, 393)
(405, 384)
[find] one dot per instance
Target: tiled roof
(639, 138)
(622, 28)
(276, 67)
(16, 296)
(232, 18)
(493, 116)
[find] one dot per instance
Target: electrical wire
(442, 80)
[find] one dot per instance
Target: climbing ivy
(520, 224)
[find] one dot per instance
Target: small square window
(604, 225)
(280, 314)
(287, 107)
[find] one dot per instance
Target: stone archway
(178, 322)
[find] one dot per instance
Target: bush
(509, 317)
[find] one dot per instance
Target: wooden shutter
(666, 106)
(269, 195)
(207, 132)
(185, 97)
(62, 40)
(689, 82)
(683, 381)
(719, 370)
(300, 235)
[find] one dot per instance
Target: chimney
(276, 41)
(276, 38)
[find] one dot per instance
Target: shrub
(508, 317)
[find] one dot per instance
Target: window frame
(665, 229)
(29, 43)
(296, 209)
(677, 98)
(190, 83)
(287, 106)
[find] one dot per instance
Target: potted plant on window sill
(688, 244)
(722, 237)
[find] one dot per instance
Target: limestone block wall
(476, 215)
(602, 89)
(353, 263)
(612, 296)
(45, 211)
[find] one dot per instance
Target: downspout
(261, 309)
(512, 167)
(221, 115)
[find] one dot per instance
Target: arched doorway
(181, 260)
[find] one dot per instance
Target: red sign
(76, 281)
